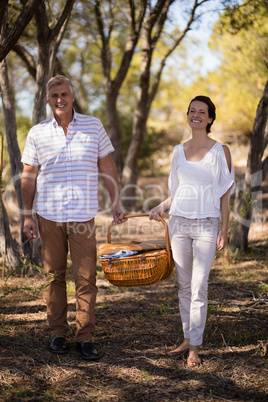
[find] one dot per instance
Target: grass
(136, 327)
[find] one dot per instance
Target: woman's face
(197, 116)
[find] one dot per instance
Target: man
(62, 156)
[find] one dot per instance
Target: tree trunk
(130, 170)
(30, 249)
(9, 249)
(42, 77)
(11, 138)
(247, 197)
(114, 130)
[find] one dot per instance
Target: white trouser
(193, 243)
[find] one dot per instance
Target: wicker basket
(142, 269)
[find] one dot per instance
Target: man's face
(60, 99)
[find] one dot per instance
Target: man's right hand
(30, 227)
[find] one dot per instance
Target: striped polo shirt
(67, 182)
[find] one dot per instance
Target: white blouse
(197, 187)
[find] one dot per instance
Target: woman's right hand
(156, 213)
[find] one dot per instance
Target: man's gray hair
(59, 80)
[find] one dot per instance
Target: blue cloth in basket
(120, 254)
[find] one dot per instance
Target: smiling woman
(201, 110)
(200, 181)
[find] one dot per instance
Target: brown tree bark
(10, 37)
(9, 249)
(11, 133)
(248, 191)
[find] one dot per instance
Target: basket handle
(141, 215)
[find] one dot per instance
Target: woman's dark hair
(211, 108)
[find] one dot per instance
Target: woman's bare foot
(193, 358)
(183, 348)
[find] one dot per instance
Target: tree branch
(161, 22)
(27, 58)
(42, 27)
(59, 29)
(8, 40)
(151, 21)
(111, 24)
(3, 14)
(264, 168)
(105, 53)
(131, 43)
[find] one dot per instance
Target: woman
(200, 182)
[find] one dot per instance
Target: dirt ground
(136, 327)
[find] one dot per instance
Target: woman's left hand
(222, 240)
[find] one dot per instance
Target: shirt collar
(55, 123)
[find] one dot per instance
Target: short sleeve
(223, 179)
(30, 155)
(105, 145)
(173, 180)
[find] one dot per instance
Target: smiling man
(61, 159)
(60, 98)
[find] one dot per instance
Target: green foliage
(239, 81)
(162, 310)
(33, 288)
(242, 16)
(24, 124)
(235, 256)
(213, 308)
(247, 204)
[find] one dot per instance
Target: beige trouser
(55, 238)
(193, 243)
